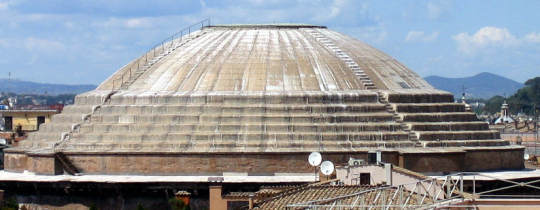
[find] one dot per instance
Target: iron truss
(440, 192)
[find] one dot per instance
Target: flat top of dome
(266, 26)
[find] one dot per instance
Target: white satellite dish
(315, 159)
(327, 168)
(526, 157)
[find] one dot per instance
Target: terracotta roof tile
(308, 193)
(326, 195)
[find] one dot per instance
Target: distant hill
(483, 85)
(25, 87)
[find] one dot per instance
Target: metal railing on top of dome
(130, 72)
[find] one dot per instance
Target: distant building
(505, 117)
(27, 119)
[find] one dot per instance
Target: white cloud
(37, 44)
(489, 39)
(489, 35)
(484, 38)
(421, 36)
(533, 37)
(142, 22)
(203, 3)
(264, 2)
(439, 9)
(373, 35)
(434, 10)
(336, 8)
(4, 6)
(136, 23)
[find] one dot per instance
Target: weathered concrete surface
(16, 162)
(271, 59)
(43, 164)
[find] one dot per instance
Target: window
(40, 120)
(9, 123)
(365, 178)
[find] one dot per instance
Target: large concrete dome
(246, 58)
(258, 99)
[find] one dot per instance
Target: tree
(10, 204)
(526, 99)
(493, 105)
(177, 204)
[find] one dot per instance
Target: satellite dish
(327, 167)
(315, 159)
(526, 157)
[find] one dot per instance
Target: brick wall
(216, 164)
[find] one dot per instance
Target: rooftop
(327, 194)
(308, 193)
(29, 111)
(279, 178)
(495, 175)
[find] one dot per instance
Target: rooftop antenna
(327, 168)
(9, 75)
(463, 101)
(463, 89)
(314, 160)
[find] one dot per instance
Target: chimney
(251, 201)
(388, 171)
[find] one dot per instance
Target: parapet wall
(471, 159)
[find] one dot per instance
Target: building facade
(27, 120)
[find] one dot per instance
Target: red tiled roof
(238, 195)
(5, 135)
(326, 193)
(308, 193)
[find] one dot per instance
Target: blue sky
(85, 41)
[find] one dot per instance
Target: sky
(85, 41)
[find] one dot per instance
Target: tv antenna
(327, 168)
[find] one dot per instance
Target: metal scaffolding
(444, 191)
